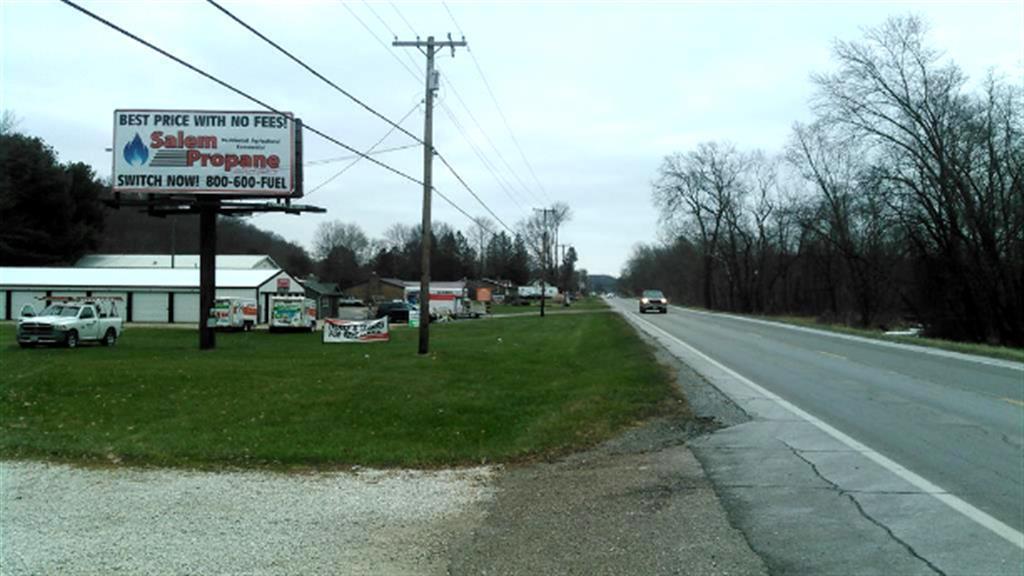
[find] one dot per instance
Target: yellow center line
(1013, 401)
(834, 355)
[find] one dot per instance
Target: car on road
(653, 300)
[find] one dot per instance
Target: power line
(308, 68)
(400, 15)
(358, 158)
(494, 99)
(381, 42)
(238, 91)
(470, 190)
(497, 152)
(351, 156)
(479, 153)
(392, 32)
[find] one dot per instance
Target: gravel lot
(66, 520)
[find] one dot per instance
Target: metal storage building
(234, 261)
(150, 294)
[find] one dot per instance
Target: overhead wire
(358, 158)
(309, 69)
(494, 99)
(470, 190)
(494, 147)
(416, 76)
(392, 32)
(479, 153)
(436, 151)
(351, 156)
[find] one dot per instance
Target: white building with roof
(150, 294)
(224, 261)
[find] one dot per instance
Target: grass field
(491, 390)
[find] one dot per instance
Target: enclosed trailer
(292, 313)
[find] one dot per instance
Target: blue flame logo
(135, 152)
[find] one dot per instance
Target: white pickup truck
(70, 322)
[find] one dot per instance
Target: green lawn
(492, 390)
(1002, 352)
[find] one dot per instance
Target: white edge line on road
(998, 527)
(885, 343)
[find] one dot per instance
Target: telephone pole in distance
(429, 47)
(544, 258)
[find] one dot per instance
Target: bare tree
(479, 235)
(334, 234)
(694, 192)
(946, 162)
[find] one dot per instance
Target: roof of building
(103, 278)
(322, 288)
(224, 261)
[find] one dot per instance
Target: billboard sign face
(205, 153)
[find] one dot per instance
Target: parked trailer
(292, 313)
(235, 313)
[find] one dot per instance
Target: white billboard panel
(205, 152)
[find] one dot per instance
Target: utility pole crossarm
(424, 43)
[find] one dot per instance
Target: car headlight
(643, 300)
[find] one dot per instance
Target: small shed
(326, 295)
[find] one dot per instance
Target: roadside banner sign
(205, 153)
(356, 330)
(414, 318)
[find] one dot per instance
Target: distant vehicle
(235, 313)
(397, 311)
(653, 300)
(352, 309)
(292, 313)
(70, 321)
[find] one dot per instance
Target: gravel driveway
(67, 520)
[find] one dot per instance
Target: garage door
(19, 299)
(149, 307)
(3, 304)
(186, 308)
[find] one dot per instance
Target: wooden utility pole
(431, 47)
(544, 259)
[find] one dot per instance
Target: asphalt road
(956, 421)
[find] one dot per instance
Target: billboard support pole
(208, 209)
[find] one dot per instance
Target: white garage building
(150, 294)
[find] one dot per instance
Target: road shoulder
(638, 504)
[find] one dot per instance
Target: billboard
(206, 153)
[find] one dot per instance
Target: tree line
(902, 201)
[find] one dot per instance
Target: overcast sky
(595, 93)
